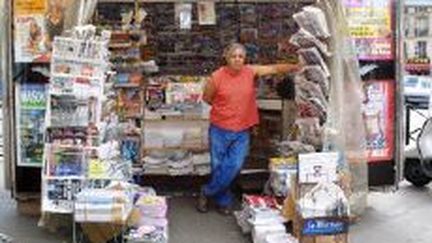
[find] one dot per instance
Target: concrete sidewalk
(397, 217)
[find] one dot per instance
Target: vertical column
(6, 164)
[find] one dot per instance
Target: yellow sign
(29, 7)
(367, 22)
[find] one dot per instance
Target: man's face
(236, 59)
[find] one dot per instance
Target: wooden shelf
(55, 177)
(64, 146)
(96, 62)
(127, 86)
(135, 116)
(120, 45)
(410, 67)
(72, 76)
(270, 104)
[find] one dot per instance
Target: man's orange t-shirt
(234, 105)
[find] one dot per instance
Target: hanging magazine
(36, 23)
(31, 100)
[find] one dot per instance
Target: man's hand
(209, 92)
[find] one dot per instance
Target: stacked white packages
(261, 217)
(152, 227)
(201, 164)
(177, 163)
(103, 205)
(281, 238)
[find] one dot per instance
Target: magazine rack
(78, 71)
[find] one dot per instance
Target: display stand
(78, 71)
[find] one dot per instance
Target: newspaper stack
(180, 163)
(261, 217)
(176, 163)
(102, 205)
(201, 164)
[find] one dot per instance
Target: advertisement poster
(370, 26)
(378, 115)
(31, 99)
(36, 22)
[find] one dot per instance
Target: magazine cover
(36, 22)
(66, 161)
(370, 25)
(58, 194)
(206, 13)
(31, 99)
(378, 115)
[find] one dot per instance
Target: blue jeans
(228, 151)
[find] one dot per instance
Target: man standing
(231, 93)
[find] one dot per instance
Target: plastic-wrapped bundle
(260, 216)
(311, 56)
(280, 238)
(316, 75)
(308, 90)
(261, 232)
(102, 205)
(152, 206)
(152, 225)
(310, 100)
(310, 132)
(293, 148)
(319, 106)
(281, 172)
(303, 39)
(313, 20)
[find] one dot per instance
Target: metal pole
(399, 99)
(7, 98)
